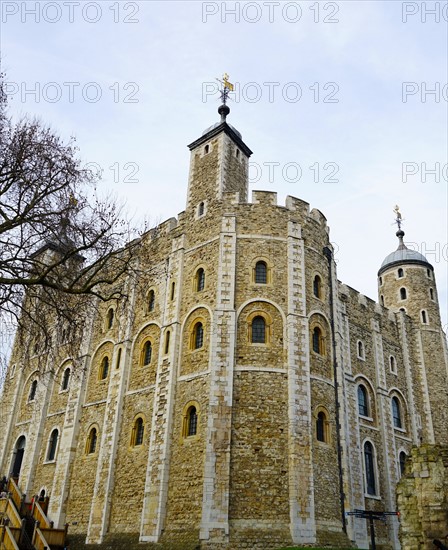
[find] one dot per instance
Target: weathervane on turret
(399, 218)
(227, 87)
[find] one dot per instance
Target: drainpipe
(329, 255)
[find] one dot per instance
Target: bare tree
(60, 245)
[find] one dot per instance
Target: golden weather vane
(226, 87)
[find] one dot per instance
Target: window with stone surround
(402, 461)
(431, 293)
(92, 439)
(110, 318)
(318, 341)
(197, 336)
(360, 350)
(370, 469)
(199, 280)
(201, 209)
(167, 342)
(322, 426)
(104, 368)
(146, 353)
(65, 380)
(33, 389)
(52, 445)
(363, 401)
(190, 421)
(261, 272)
(258, 330)
(424, 317)
(396, 413)
(151, 300)
(400, 273)
(393, 364)
(403, 294)
(317, 287)
(138, 432)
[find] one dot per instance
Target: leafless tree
(61, 246)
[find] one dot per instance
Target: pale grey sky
(340, 89)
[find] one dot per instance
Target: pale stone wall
(422, 496)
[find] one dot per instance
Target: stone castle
(243, 397)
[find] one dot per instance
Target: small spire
(227, 87)
(400, 233)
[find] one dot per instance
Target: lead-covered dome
(403, 255)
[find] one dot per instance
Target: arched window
(400, 273)
(363, 401)
(65, 379)
(258, 330)
(110, 318)
(403, 294)
(91, 441)
(104, 368)
(261, 273)
(138, 432)
(52, 445)
(167, 341)
(201, 209)
(146, 353)
(19, 451)
(424, 317)
(322, 427)
(381, 281)
(369, 462)
(360, 350)
(198, 336)
(151, 300)
(431, 293)
(382, 300)
(402, 461)
(317, 287)
(206, 149)
(396, 413)
(33, 389)
(173, 288)
(200, 279)
(393, 364)
(192, 421)
(117, 365)
(318, 341)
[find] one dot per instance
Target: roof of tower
(403, 255)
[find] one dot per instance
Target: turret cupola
(406, 282)
(219, 162)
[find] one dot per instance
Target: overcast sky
(356, 90)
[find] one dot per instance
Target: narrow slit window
(147, 353)
(65, 379)
(192, 421)
(151, 300)
(363, 403)
(369, 461)
(92, 441)
(104, 370)
(110, 318)
(52, 445)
